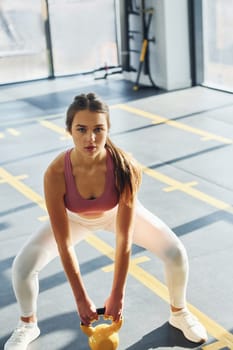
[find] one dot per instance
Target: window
(218, 44)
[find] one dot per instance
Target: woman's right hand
(87, 311)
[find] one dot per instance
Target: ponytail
(128, 173)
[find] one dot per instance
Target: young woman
(94, 186)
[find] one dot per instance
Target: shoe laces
(190, 318)
(19, 334)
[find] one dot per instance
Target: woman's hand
(114, 307)
(87, 311)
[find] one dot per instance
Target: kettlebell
(103, 336)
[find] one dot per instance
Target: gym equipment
(138, 9)
(144, 58)
(103, 336)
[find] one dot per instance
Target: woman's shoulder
(56, 167)
(54, 182)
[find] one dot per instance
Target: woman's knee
(21, 268)
(36, 253)
(177, 255)
(29, 261)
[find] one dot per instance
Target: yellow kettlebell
(103, 336)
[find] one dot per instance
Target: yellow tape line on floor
(193, 192)
(6, 177)
(156, 119)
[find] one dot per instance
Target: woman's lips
(90, 148)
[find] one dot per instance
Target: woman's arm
(124, 232)
(54, 188)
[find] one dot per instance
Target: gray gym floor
(183, 139)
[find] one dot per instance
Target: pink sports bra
(76, 203)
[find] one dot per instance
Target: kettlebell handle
(114, 326)
(100, 311)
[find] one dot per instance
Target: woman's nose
(91, 136)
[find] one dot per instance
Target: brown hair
(127, 171)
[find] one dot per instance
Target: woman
(94, 186)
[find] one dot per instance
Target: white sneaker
(185, 321)
(22, 336)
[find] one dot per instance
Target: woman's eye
(97, 130)
(82, 130)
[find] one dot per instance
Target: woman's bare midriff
(92, 215)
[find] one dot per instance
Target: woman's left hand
(114, 307)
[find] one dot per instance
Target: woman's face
(89, 131)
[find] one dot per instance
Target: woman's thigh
(41, 247)
(153, 234)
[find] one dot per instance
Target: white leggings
(149, 233)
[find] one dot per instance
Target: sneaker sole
(201, 341)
